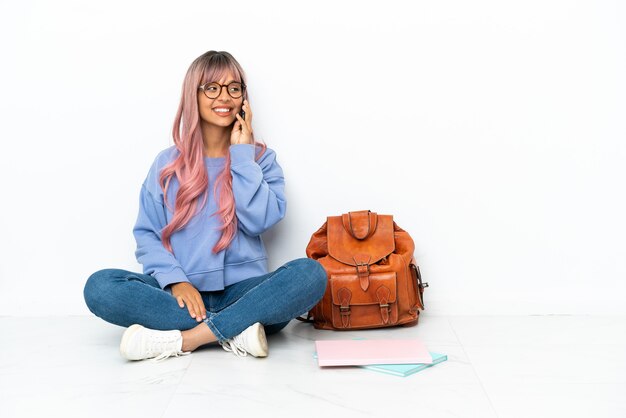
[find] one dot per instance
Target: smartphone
(242, 114)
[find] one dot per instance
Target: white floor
(499, 366)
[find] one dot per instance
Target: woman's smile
(222, 111)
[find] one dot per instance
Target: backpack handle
(360, 224)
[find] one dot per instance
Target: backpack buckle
(363, 269)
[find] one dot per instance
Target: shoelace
(160, 343)
(235, 345)
(169, 353)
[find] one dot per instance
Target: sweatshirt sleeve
(156, 260)
(258, 189)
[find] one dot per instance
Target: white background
(493, 132)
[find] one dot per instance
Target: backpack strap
(383, 294)
(308, 316)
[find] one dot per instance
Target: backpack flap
(363, 232)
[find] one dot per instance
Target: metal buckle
(360, 265)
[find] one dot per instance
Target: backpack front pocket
(353, 307)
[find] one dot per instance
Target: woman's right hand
(186, 294)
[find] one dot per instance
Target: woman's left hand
(242, 130)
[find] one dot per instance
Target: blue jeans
(124, 298)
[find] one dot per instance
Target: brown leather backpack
(373, 278)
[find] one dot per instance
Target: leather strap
(362, 263)
(344, 299)
(307, 319)
(383, 293)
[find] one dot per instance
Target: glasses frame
(204, 86)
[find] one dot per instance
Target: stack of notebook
(397, 357)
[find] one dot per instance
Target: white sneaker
(252, 340)
(139, 342)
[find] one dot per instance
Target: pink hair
(189, 166)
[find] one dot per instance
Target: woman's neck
(216, 139)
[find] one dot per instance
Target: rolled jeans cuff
(213, 328)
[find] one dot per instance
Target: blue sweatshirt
(258, 188)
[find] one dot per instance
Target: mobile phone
(242, 114)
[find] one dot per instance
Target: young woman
(203, 207)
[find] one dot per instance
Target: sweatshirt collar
(215, 161)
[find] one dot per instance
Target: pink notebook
(362, 352)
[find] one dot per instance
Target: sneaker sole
(259, 348)
(125, 338)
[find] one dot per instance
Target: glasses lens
(235, 90)
(212, 90)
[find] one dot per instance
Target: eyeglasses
(213, 90)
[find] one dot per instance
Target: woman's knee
(96, 286)
(313, 274)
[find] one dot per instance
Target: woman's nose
(223, 94)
